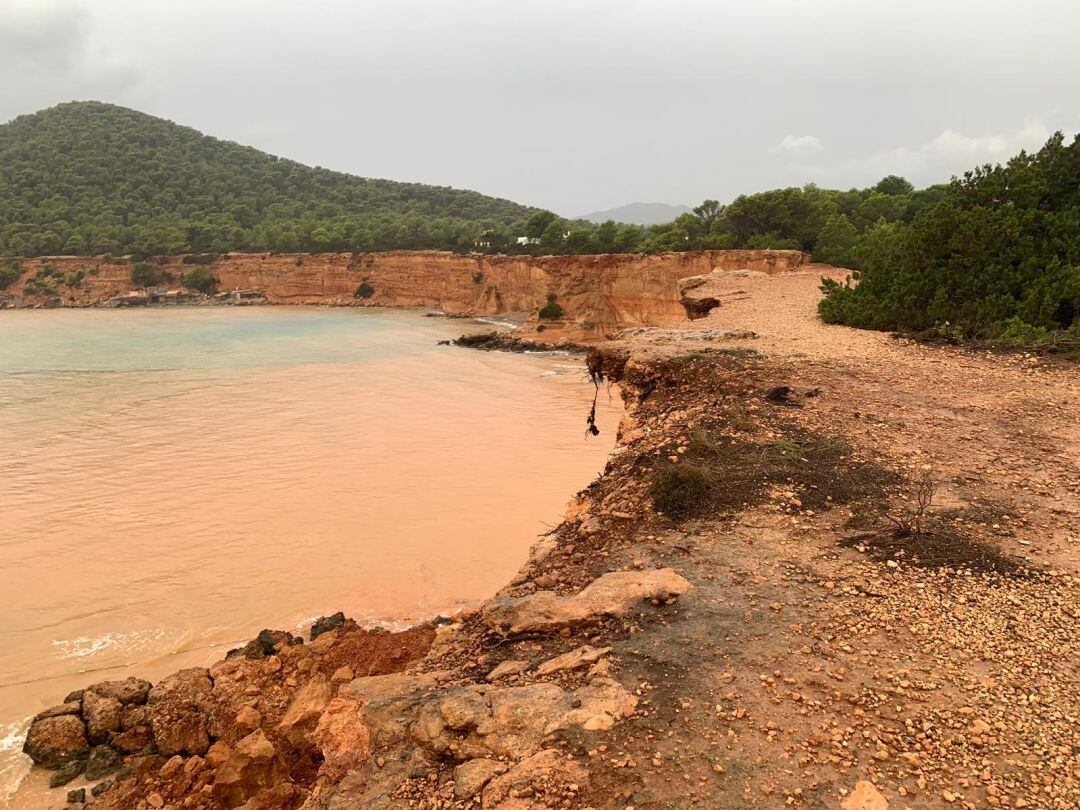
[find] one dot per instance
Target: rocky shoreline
(128, 736)
(740, 612)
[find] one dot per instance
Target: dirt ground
(818, 647)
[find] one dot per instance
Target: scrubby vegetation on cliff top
(997, 257)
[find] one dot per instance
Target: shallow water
(172, 481)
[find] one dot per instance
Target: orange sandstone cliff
(598, 294)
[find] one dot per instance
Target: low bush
(199, 279)
(552, 310)
(683, 491)
(144, 274)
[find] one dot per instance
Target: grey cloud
(578, 105)
(47, 56)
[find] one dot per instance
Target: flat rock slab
(380, 687)
(481, 721)
(580, 657)
(506, 669)
(612, 594)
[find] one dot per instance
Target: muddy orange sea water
(172, 481)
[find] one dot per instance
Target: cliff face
(598, 294)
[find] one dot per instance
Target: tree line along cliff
(993, 255)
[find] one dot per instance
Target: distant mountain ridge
(90, 178)
(639, 213)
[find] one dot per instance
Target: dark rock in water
(129, 692)
(265, 644)
(77, 796)
(67, 772)
(74, 707)
(481, 340)
(269, 640)
(102, 761)
(101, 787)
(55, 741)
(326, 624)
(101, 715)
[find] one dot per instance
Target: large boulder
(54, 741)
(325, 624)
(67, 772)
(343, 737)
(101, 715)
(304, 711)
(129, 692)
(102, 761)
(267, 643)
(135, 731)
(178, 706)
(251, 767)
(612, 594)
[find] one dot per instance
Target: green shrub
(8, 276)
(144, 274)
(551, 311)
(43, 282)
(199, 279)
(365, 290)
(200, 258)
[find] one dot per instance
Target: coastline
(200, 568)
(598, 295)
(782, 646)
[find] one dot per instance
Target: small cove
(174, 481)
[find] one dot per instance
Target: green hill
(87, 177)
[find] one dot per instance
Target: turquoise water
(167, 340)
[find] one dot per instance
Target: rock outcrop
(54, 741)
(612, 594)
(252, 731)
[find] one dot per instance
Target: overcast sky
(574, 105)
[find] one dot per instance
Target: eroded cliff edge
(598, 294)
